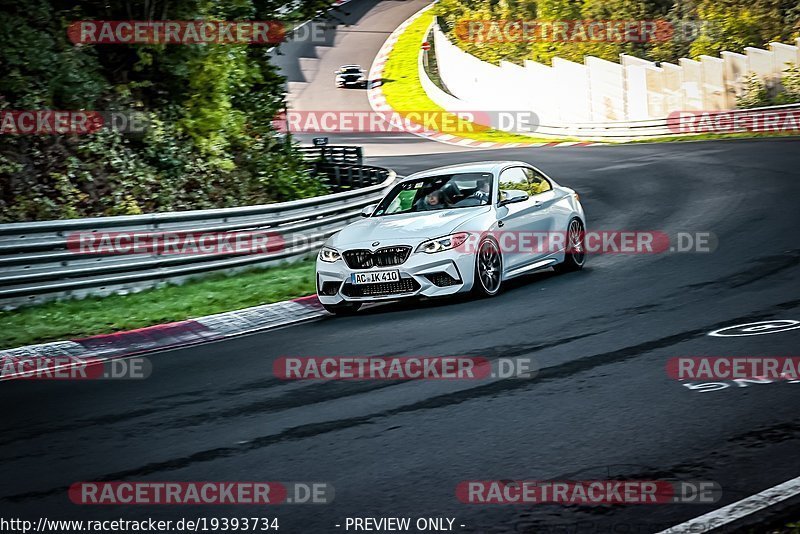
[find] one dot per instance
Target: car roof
(478, 166)
(350, 67)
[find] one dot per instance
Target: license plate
(376, 277)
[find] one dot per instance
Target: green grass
(404, 92)
(68, 319)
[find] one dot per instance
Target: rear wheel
(488, 269)
(344, 308)
(575, 255)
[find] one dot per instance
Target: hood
(410, 228)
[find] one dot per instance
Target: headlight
(443, 243)
(362, 78)
(329, 255)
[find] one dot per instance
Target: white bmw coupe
(450, 230)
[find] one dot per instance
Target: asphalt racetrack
(602, 405)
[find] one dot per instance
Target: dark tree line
(209, 110)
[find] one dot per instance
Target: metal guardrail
(347, 155)
(673, 125)
(346, 177)
(37, 262)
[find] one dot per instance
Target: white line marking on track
(739, 509)
(757, 329)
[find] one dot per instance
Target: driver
(482, 192)
(432, 201)
(479, 197)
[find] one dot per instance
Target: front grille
(442, 279)
(405, 285)
(383, 257)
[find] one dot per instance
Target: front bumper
(419, 276)
(344, 83)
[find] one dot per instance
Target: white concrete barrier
(569, 95)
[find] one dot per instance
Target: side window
(536, 182)
(406, 199)
(513, 178)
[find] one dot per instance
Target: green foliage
(209, 141)
(790, 84)
(757, 93)
(702, 26)
(730, 26)
(210, 118)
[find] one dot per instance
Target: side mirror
(368, 210)
(512, 197)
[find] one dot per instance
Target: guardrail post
(337, 177)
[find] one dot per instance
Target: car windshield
(449, 191)
(351, 70)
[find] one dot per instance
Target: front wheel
(575, 254)
(343, 308)
(488, 269)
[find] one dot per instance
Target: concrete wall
(602, 91)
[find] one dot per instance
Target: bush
(724, 25)
(755, 94)
(210, 141)
(758, 93)
(790, 86)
